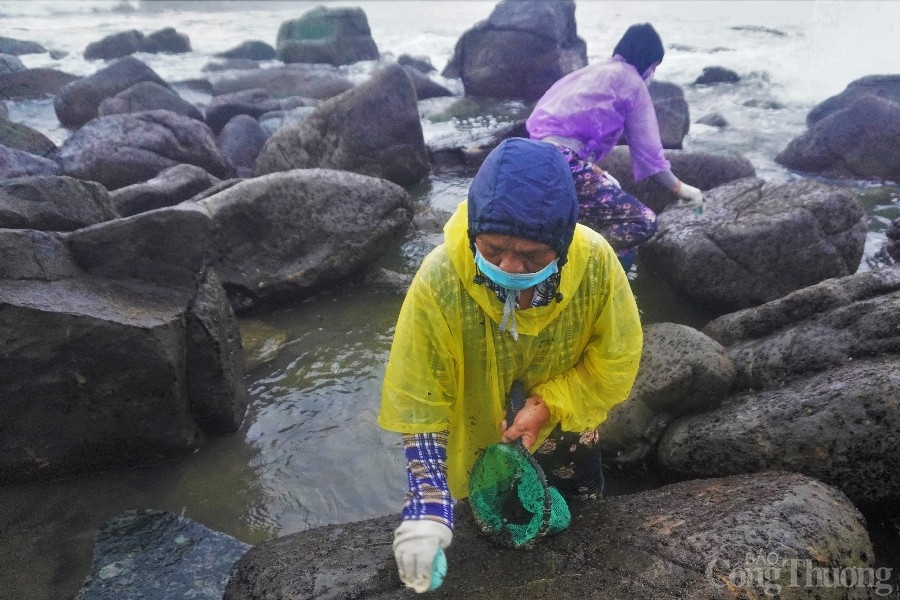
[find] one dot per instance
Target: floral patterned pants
(622, 219)
(571, 463)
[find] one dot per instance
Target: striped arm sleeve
(426, 470)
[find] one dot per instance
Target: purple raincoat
(594, 105)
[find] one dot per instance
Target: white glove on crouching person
(427, 526)
(691, 195)
(416, 546)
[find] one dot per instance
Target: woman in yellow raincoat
(516, 291)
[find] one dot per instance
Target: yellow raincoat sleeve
(421, 374)
(580, 397)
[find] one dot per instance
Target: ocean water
(310, 452)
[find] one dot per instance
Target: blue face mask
(514, 281)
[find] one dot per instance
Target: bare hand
(528, 422)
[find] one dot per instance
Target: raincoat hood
(641, 46)
(533, 320)
(525, 189)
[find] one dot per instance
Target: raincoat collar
(528, 322)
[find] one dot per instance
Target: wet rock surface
(169, 187)
(686, 540)
(18, 163)
(79, 101)
(121, 348)
(373, 129)
(51, 203)
(682, 371)
(319, 82)
(841, 426)
(756, 242)
(148, 95)
(519, 51)
(33, 83)
(335, 36)
(850, 135)
(823, 326)
(121, 150)
(289, 235)
(154, 554)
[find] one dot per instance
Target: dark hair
(641, 46)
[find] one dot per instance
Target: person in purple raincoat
(585, 114)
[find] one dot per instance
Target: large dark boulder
(167, 41)
(79, 101)
(519, 51)
(154, 554)
(841, 427)
(425, 86)
(856, 142)
(820, 327)
(172, 249)
(892, 245)
(148, 95)
(682, 371)
(672, 113)
(696, 540)
(121, 150)
(33, 83)
(125, 43)
(319, 82)
(241, 141)
(373, 129)
(253, 102)
(19, 47)
(121, 349)
(10, 64)
(880, 86)
(18, 163)
(22, 137)
(716, 75)
(169, 187)
(251, 49)
(287, 236)
(335, 36)
(703, 170)
(115, 45)
(816, 391)
(51, 203)
(756, 242)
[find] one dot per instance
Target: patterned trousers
(571, 463)
(622, 219)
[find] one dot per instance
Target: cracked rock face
(756, 242)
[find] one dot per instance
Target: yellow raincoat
(450, 367)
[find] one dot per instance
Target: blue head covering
(641, 46)
(524, 188)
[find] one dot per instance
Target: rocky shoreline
(132, 248)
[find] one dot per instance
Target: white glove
(416, 544)
(691, 195)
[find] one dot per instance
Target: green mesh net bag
(509, 495)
